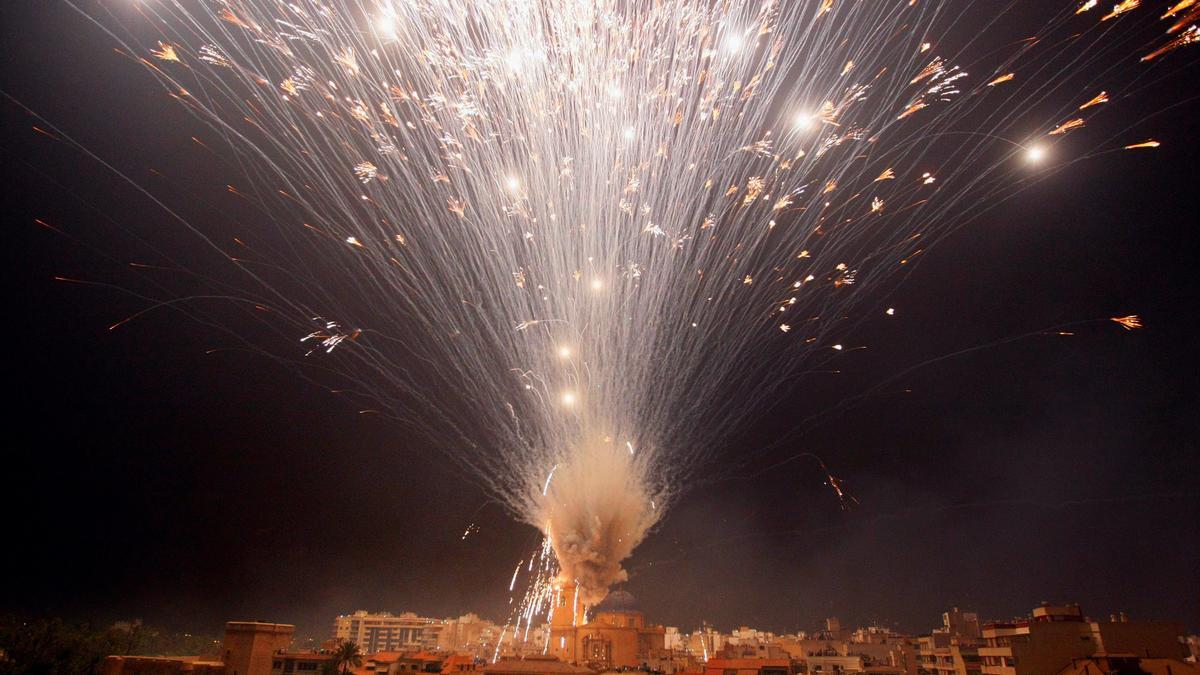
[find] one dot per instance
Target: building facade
(382, 631)
(952, 649)
(250, 646)
(1055, 635)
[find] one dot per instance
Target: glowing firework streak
(1130, 322)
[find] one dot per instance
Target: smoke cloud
(596, 507)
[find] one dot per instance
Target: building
(672, 638)
(378, 632)
(750, 636)
(534, 665)
(704, 643)
(877, 635)
(952, 649)
(1128, 664)
(460, 663)
(473, 635)
(1054, 635)
(250, 648)
(961, 624)
(160, 665)
(748, 667)
(830, 661)
(833, 630)
(752, 651)
(391, 663)
(299, 663)
(616, 636)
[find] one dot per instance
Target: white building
(377, 632)
(672, 638)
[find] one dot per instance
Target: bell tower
(566, 622)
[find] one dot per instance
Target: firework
(569, 229)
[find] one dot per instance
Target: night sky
(144, 478)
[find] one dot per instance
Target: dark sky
(144, 478)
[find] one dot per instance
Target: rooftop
(532, 665)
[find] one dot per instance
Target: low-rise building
(748, 667)
(460, 663)
(534, 665)
(1126, 664)
(952, 649)
(249, 648)
(476, 636)
(161, 665)
(300, 663)
(1046, 643)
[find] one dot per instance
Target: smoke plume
(596, 507)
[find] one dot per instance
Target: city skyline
(619, 638)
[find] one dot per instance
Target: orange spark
(1120, 8)
(1102, 97)
(1128, 322)
(166, 52)
(1067, 126)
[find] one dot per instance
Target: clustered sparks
(848, 501)
(577, 228)
(329, 336)
(1130, 322)
(1184, 16)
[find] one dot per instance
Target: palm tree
(345, 658)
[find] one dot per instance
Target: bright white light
(513, 60)
(597, 285)
(568, 398)
(1035, 153)
(734, 42)
(512, 183)
(629, 132)
(805, 122)
(564, 352)
(386, 26)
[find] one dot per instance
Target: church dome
(618, 601)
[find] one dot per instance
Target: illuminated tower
(564, 625)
